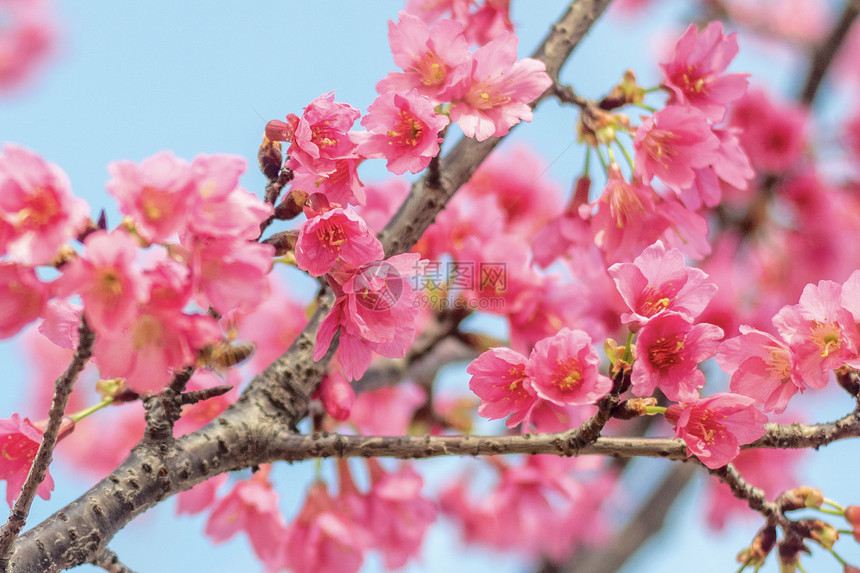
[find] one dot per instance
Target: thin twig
(39, 469)
(109, 561)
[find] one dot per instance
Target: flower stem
(78, 416)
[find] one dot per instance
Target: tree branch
(294, 447)
(109, 561)
(823, 56)
(62, 389)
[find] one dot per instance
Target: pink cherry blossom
(658, 281)
(773, 133)
(517, 179)
(252, 507)
(156, 194)
(696, 72)
(436, 62)
(563, 369)
(668, 351)
(402, 128)
(272, 337)
(341, 186)
(155, 343)
(761, 367)
(61, 324)
(19, 440)
(337, 396)
(322, 539)
(499, 380)
(220, 208)
(491, 20)
(672, 143)
(714, 427)
(107, 279)
(230, 274)
(201, 496)
(23, 297)
(335, 234)
(396, 513)
(501, 90)
(321, 135)
(431, 10)
(27, 39)
(626, 216)
(820, 331)
(399, 402)
(38, 212)
(374, 311)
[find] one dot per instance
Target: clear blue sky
(132, 79)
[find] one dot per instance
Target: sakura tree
(691, 306)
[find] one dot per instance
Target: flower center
(665, 353)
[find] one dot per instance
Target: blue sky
(132, 79)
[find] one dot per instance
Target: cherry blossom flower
(672, 143)
(156, 194)
(396, 514)
(668, 351)
(156, 342)
(334, 234)
(499, 380)
(229, 273)
(402, 128)
(713, 427)
(220, 208)
(201, 496)
(321, 135)
(337, 396)
(820, 331)
(27, 38)
(436, 62)
(322, 539)
(563, 369)
(772, 133)
(341, 186)
(62, 323)
(252, 507)
(23, 297)
(501, 90)
(658, 281)
(761, 367)
(374, 311)
(491, 20)
(528, 200)
(108, 281)
(19, 441)
(399, 402)
(38, 212)
(696, 72)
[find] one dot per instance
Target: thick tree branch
(62, 390)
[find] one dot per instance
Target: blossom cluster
(561, 371)
(329, 534)
(143, 313)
